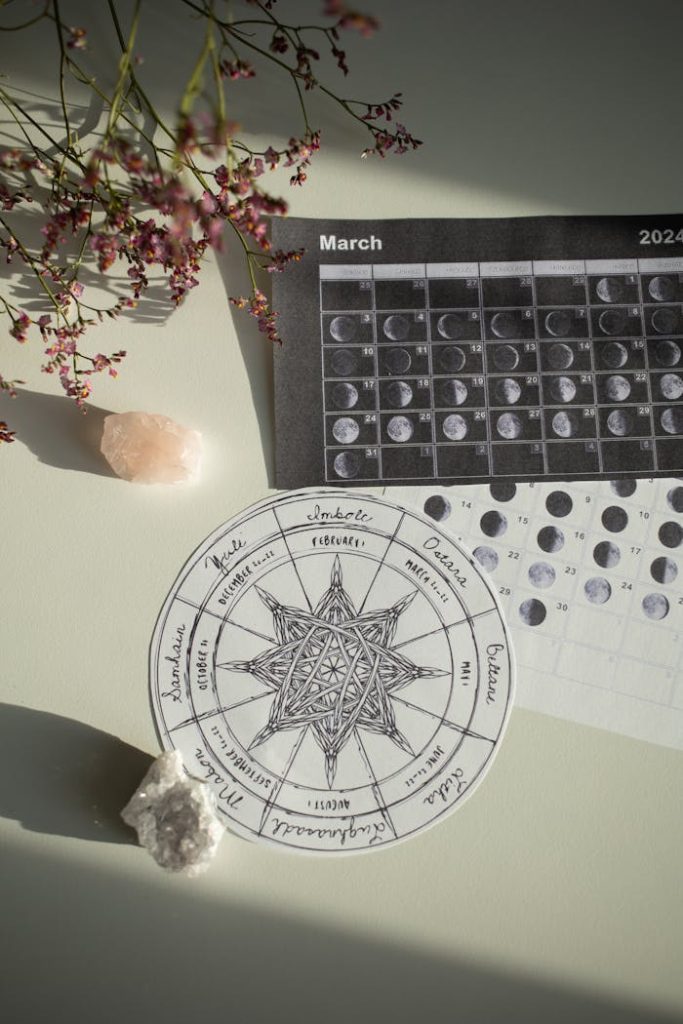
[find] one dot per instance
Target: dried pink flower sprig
(146, 201)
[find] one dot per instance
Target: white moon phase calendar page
(466, 351)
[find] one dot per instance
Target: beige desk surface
(555, 894)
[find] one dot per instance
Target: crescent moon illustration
(450, 326)
(343, 329)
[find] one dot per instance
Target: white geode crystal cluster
(175, 817)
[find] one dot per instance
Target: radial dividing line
(275, 793)
(291, 558)
(445, 721)
(443, 629)
(221, 710)
(374, 784)
(386, 552)
(229, 622)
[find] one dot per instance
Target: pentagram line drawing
(293, 561)
(381, 563)
(333, 671)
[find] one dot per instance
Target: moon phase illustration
(532, 612)
(661, 289)
(400, 429)
(508, 391)
(617, 388)
(396, 327)
(620, 422)
(674, 499)
(399, 394)
(347, 464)
(665, 321)
(614, 355)
(670, 534)
(493, 523)
(614, 518)
(663, 570)
(597, 590)
(452, 359)
(612, 321)
(606, 554)
(509, 426)
(655, 606)
(672, 420)
(455, 427)
(559, 323)
(437, 507)
(345, 396)
(541, 575)
(560, 356)
(343, 329)
(504, 490)
(344, 362)
(506, 325)
(559, 504)
(345, 430)
(550, 539)
(563, 389)
(505, 357)
(667, 353)
(450, 326)
(671, 386)
(610, 289)
(453, 392)
(624, 488)
(565, 424)
(487, 557)
(396, 360)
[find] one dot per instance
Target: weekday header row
(517, 268)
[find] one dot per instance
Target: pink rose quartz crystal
(147, 448)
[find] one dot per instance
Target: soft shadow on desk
(57, 432)
(63, 777)
(100, 945)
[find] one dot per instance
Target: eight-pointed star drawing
(333, 670)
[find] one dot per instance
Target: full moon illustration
(505, 325)
(487, 558)
(505, 357)
(559, 504)
(620, 422)
(509, 426)
(565, 424)
(614, 518)
(503, 490)
(667, 353)
(344, 362)
(614, 355)
(345, 430)
(606, 554)
(493, 523)
(560, 356)
(541, 575)
(396, 360)
(671, 386)
(455, 427)
(347, 464)
(508, 391)
(452, 359)
(612, 321)
(400, 429)
(399, 394)
(610, 289)
(672, 420)
(670, 534)
(563, 389)
(624, 488)
(661, 289)
(597, 590)
(344, 396)
(437, 507)
(559, 323)
(450, 326)
(665, 321)
(396, 327)
(617, 388)
(550, 539)
(343, 329)
(655, 606)
(454, 392)
(532, 612)
(674, 499)
(664, 570)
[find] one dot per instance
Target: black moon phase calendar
(336, 668)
